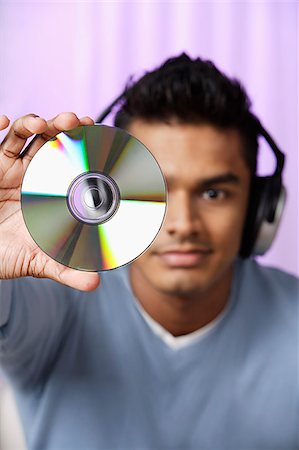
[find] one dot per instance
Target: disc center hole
(93, 198)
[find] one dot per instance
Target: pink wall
(77, 56)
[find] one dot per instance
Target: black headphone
(266, 200)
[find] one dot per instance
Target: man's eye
(214, 194)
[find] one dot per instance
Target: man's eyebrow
(219, 179)
(228, 177)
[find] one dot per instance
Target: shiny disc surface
(93, 198)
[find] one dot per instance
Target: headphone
(267, 196)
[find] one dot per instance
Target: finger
(62, 122)
(19, 132)
(77, 279)
(4, 122)
(86, 121)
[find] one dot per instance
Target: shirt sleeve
(5, 303)
(35, 318)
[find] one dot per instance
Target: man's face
(208, 184)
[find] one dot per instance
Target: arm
(35, 315)
(35, 318)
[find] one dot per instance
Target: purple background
(77, 56)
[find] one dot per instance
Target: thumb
(77, 279)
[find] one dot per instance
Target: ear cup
(266, 204)
(250, 224)
(268, 230)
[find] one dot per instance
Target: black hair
(194, 91)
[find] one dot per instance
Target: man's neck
(181, 315)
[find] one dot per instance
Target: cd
(93, 198)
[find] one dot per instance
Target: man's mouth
(184, 258)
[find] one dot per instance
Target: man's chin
(174, 279)
(179, 281)
(192, 280)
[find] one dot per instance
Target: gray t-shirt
(90, 373)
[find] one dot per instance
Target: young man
(189, 347)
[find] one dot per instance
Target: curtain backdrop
(77, 56)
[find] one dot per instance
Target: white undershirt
(177, 342)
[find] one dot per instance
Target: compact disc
(93, 198)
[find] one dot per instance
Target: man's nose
(182, 217)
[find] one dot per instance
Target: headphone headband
(109, 108)
(280, 157)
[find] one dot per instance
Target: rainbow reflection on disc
(93, 198)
